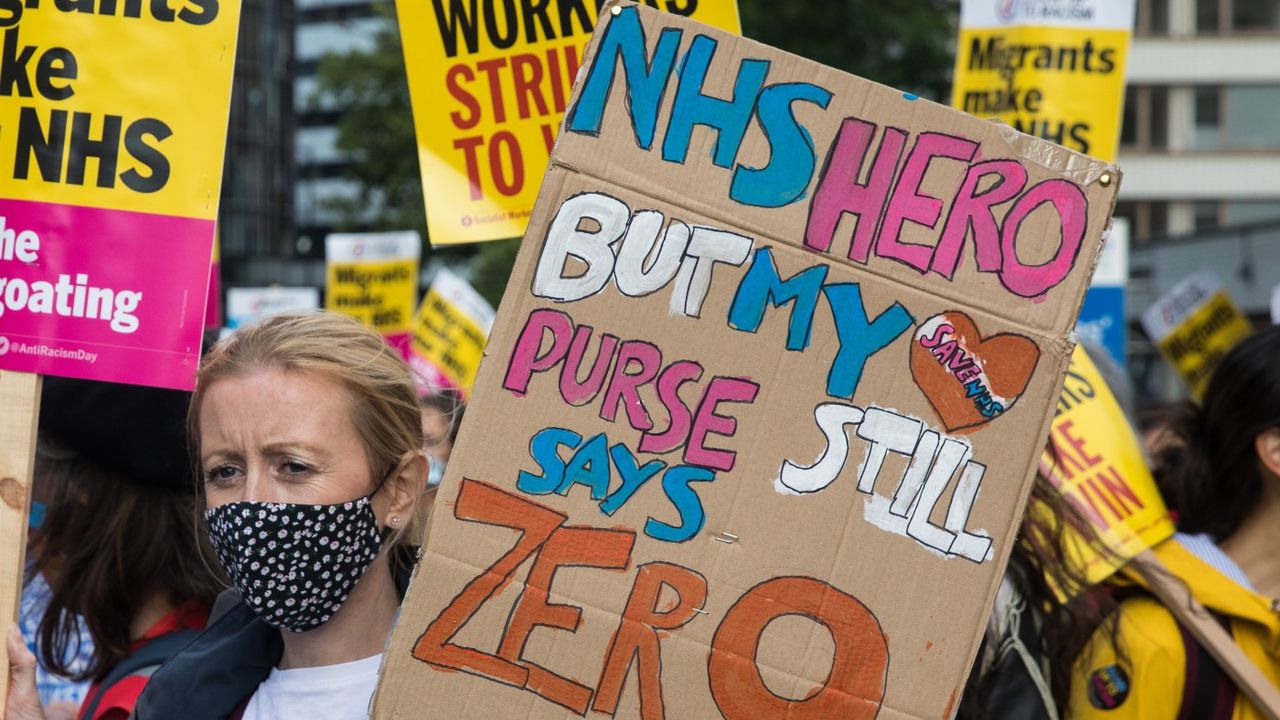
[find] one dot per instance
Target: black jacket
(224, 665)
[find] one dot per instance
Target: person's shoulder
(1133, 667)
(1149, 631)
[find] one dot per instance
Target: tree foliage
(906, 44)
(902, 43)
(375, 130)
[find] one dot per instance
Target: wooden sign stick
(1175, 596)
(19, 413)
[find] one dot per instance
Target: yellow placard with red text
(1098, 467)
(489, 83)
(1050, 68)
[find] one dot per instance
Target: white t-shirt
(328, 692)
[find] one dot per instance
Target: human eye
(294, 468)
(222, 475)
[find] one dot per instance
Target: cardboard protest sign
(1051, 68)
(110, 164)
(373, 277)
(1194, 325)
(449, 334)
(1098, 467)
(763, 403)
(489, 82)
(246, 306)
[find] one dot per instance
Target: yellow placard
(96, 114)
(1055, 79)
(373, 277)
(374, 293)
(1196, 345)
(489, 83)
(450, 340)
(450, 330)
(1098, 467)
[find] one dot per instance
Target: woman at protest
(61, 695)
(309, 445)
(117, 546)
(1222, 478)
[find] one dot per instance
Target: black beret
(137, 432)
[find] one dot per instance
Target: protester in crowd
(1024, 667)
(1160, 440)
(117, 545)
(442, 412)
(441, 418)
(60, 695)
(1222, 478)
(309, 442)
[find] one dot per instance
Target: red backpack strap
(1208, 693)
(239, 711)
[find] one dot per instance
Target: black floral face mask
(295, 565)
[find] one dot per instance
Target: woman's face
(280, 436)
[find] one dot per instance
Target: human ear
(406, 484)
(1267, 445)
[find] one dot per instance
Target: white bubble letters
(934, 459)
(588, 225)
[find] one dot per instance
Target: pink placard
(102, 294)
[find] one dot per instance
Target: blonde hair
(377, 382)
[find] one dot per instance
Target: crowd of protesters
(242, 552)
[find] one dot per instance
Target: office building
(1200, 151)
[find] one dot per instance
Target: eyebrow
(219, 454)
(289, 447)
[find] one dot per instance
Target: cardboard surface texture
(734, 452)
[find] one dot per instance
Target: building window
(1158, 124)
(1207, 214)
(1208, 115)
(1256, 15)
(1157, 219)
(1236, 117)
(1152, 17)
(1215, 17)
(1253, 212)
(1251, 112)
(1145, 125)
(1147, 220)
(1209, 16)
